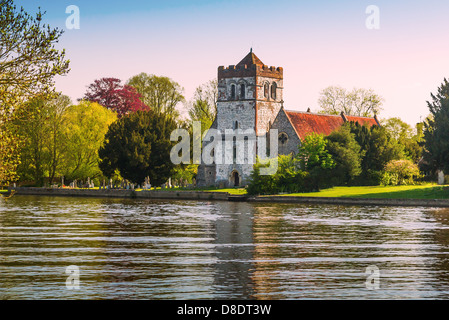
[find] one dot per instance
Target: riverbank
(360, 200)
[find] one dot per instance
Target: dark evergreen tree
(378, 148)
(436, 131)
(139, 146)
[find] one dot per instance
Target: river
(142, 249)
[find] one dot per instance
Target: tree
(436, 130)
(40, 128)
(139, 146)
(110, 93)
(28, 63)
(378, 149)
(314, 158)
(161, 94)
(358, 102)
(28, 58)
(288, 178)
(346, 153)
(86, 125)
(406, 136)
(203, 107)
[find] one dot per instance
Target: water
(138, 249)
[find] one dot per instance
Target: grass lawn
(233, 191)
(426, 191)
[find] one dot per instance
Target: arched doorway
(235, 179)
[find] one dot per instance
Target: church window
(242, 91)
(236, 125)
(283, 138)
(273, 90)
(233, 92)
(234, 150)
(266, 90)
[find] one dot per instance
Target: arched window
(234, 149)
(273, 90)
(242, 91)
(236, 125)
(266, 90)
(232, 91)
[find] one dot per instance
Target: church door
(236, 179)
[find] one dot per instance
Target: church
(250, 96)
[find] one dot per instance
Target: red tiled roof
(250, 60)
(362, 120)
(306, 123)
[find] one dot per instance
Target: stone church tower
(250, 95)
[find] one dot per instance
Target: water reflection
(137, 249)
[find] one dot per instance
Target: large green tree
(347, 155)
(40, 129)
(86, 125)
(436, 131)
(29, 61)
(161, 94)
(314, 158)
(406, 136)
(378, 149)
(139, 146)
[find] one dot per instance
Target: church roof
(306, 123)
(250, 59)
(363, 121)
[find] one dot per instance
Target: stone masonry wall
(283, 124)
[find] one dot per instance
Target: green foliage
(60, 140)
(378, 148)
(347, 155)
(185, 172)
(314, 158)
(313, 153)
(28, 57)
(85, 127)
(161, 94)
(29, 62)
(9, 145)
(436, 131)
(288, 178)
(400, 172)
(261, 184)
(139, 145)
(39, 125)
(406, 136)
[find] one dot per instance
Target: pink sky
(318, 45)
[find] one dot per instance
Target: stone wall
(282, 123)
(267, 107)
(146, 194)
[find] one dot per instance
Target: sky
(318, 43)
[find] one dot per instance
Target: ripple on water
(136, 249)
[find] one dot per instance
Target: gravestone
(440, 177)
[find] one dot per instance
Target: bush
(400, 172)
(288, 179)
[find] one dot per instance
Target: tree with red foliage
(110, 93)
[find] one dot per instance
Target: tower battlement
(245, 70)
